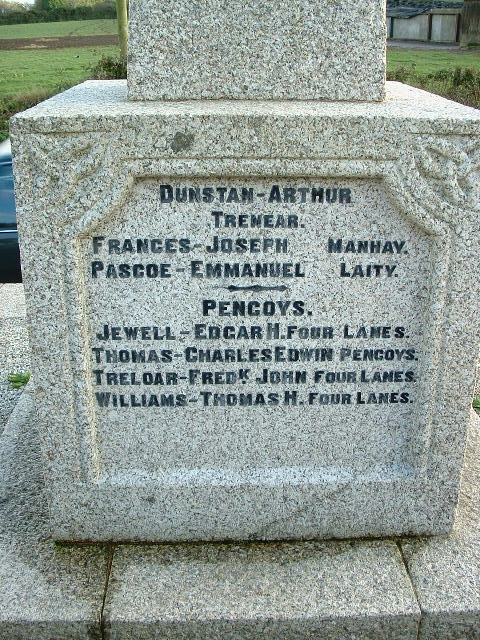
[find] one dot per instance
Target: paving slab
(47, 592)
(14, 345)
(445, 571)
(295, 591)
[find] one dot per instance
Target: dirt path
(420, 44)
(57, 43)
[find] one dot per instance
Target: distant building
(435, 21)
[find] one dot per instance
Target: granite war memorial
(251, 282)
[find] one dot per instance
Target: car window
(7, 200)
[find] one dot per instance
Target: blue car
(9, 253)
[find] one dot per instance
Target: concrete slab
(47, 591)
(289, 591)
(420, 44)
(445, 571)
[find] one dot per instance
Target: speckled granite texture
(384, 461)
(257, 50)
(356, 590)
(14, 345)
(47, 592)
(445, 572)
(281, 591)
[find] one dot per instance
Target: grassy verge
(476, 404)
(28, 77)
(10, 105)
(461, 85)
(59, 29)
(429, 61)
(452, 74)
(25, 71)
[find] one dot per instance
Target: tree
(7, 6)
(470, 29)
(122, 20)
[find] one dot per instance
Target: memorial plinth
(250, 320)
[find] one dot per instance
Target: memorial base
(317, 390)
(398, 589)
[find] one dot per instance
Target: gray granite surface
(14, 345)
(47, 591)
(257, 49)
(105, 104)
(350, 590)
(445, 572)
(476, 393)
(90, 164)
(280, 591)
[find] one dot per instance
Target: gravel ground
(420, 44)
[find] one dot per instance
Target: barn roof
(411, 8)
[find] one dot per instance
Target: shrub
(401, 74)
(461, 85)
(110, 68)
(10, 105)
(106, 9)
(19, 379)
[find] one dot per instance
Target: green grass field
(22, 71)
(25, 71)
(59, 29)
(428, 61)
